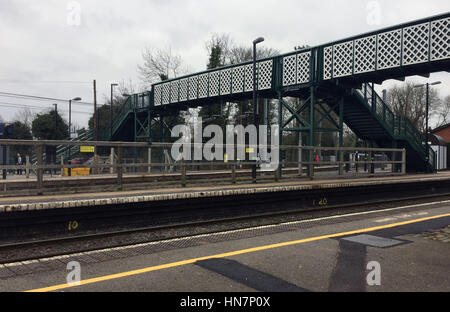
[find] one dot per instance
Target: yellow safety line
(228, 254)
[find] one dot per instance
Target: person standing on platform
(19, 163)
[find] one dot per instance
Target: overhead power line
(43, 81)
(41, 98)
(6, 104)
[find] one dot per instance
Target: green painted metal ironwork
(340, 70)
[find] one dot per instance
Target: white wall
(441, 152)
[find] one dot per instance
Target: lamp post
(255, 95)
(70, 120)
(111, 111)
(427, 147)
(70, 115)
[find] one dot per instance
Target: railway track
(119, 228)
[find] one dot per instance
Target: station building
(440, 142)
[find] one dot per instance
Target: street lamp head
(430, 84)
(77, 99)
(114, 84)
(258, 40)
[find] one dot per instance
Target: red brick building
(443, 132)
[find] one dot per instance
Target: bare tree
(159, 65)
(240, 54)
(25, 116)
(405, 100)
(442, 112)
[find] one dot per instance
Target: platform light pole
(77, 99)
(427, 147)
(111, 111)
(255, 97)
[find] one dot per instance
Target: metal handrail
(400, 126)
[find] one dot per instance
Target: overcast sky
(42, 47)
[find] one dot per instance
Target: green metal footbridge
(335, 77)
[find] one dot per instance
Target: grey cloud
(37, 44)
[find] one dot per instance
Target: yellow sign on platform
(87, 149)
(250, 150)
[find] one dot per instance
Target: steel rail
(112, 234)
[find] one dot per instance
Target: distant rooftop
(441, 128)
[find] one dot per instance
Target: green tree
(215, 57)
(43, 127)
(21, 132)
(104, 113)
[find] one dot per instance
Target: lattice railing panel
(365, 49)
(303, 67)
(440, 39)
(184, 89)
(328, 63)
(225, 81)
(389, 49)
(165, 93)
(343, 59)
(289, 70)
(238, 79)
(193, 87)
(416, 44)
(249, 77)
(214, 78)
(202, 86)
(174, 91)
(265, 70)
(157, 95)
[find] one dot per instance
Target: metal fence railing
(114, 162)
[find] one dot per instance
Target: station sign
(87, 149)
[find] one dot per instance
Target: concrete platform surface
(9, 204)
(367, 251)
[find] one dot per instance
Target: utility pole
(56, 120)
(111, 111)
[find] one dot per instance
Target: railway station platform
(398, 249)
(61, 201)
